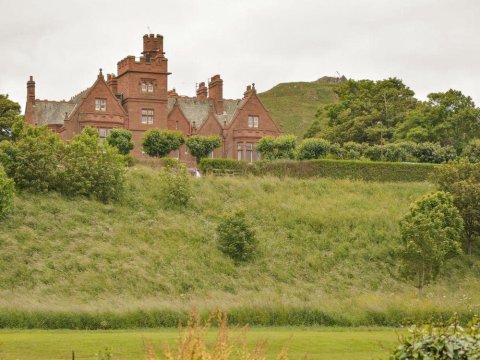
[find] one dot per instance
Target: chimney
(215, 92)
(152, 45)
(172, 93)
(31, 90)
(250, 89)
(202, 91)
(112, 83)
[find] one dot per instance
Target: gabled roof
(51, 112)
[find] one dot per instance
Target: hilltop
(294, 105)
(325, 244)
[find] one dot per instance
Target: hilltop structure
(138, 99)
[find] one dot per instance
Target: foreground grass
(325, 245)
(316, 343)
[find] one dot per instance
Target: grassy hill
(324, 244)
(294, 105)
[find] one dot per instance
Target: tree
(431, 233)
(235, 237)
(160, 143)
(9, 114)
(462, 180)
(313, 148)
(281, 147)
(6, 194)
(121, 139)
(472, 151)
(32, 159)
(201, 146)
(314, 129)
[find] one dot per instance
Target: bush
(472, 151)
(175, 186)
(281, 147)
(313, 148)
(201, 146)
(336, 151)
(32, 160)
(441, 342)
(394, 153)
(6, 194)
(121, 139)
(160, 143)
(352, 150)
(92, 169)
(373, 152)
(235, 237)
(434, 153)
(223, 166)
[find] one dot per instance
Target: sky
(432, 45)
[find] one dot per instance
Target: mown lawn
(316, 343)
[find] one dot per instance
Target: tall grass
(326, 256)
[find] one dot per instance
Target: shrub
(159, 143)
(434, 153)
(175, 186)
(472, 151)
(130, 160)
(431, 233)
(352, 150)
(92, 169)
(32, 160)
(121, 139)
(394, 153)
(223, 166)
(336, 151)
(6, 194)
(281, 147)
(373, 152)
(201, 146)
(450, 341)
(235, 237)
(313, 148)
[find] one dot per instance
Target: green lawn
(317, 343)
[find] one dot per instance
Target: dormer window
(253, 121)
(100, 104)
(147, 86)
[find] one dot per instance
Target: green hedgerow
(313, 148)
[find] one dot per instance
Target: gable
(177, 120)
(210, 126)
(252, 106)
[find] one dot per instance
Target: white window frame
(147, 86)
(240, 151)
(147, 116)
(100, 104)
(102, 133)
(253, 121)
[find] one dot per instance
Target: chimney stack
(215, 92)
(202, 91)
(112, 83)
(31, 90)
(152, 46)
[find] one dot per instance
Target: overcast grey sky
(432, 45)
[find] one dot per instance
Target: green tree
(314, 129)
(281, 147)
(160, 143)
(472, 151)
(235, 237)
(9, 114)
(32, 159)
(431, 233)
(462, 180)
(121, 139)
(7, 190)
(90, 168)
(368, 111)
(201, 146)
(313, 148)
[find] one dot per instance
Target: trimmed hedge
(337, 169)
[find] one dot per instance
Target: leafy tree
(236, 238)
(431, 233)
(90, 168)
(368, 111)
(201, 146)
(9, 114)
(462, 180)
(32, 160)
(313, 148)
(314, 129)
(160, 143)
(7, 190)
(472, 151)
(121, 139)
(352, 150)
(281, 147)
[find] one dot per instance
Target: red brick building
(137, 99)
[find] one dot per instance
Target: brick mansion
(137, 98)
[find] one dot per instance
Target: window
(253, 121)
(147, 116)
(256, 154)
(239, 151)
(100, 104)
(249, 152)
(102, 133)
(210, 156)
(147, 86)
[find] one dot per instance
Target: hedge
(337, 169)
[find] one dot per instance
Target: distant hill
(294, 105)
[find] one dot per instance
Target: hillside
(324, 244)
(294, 105)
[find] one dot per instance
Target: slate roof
(51, 112)
(197, 110)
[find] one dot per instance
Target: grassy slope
(294, 105)
(318, 344)
(327, 244)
